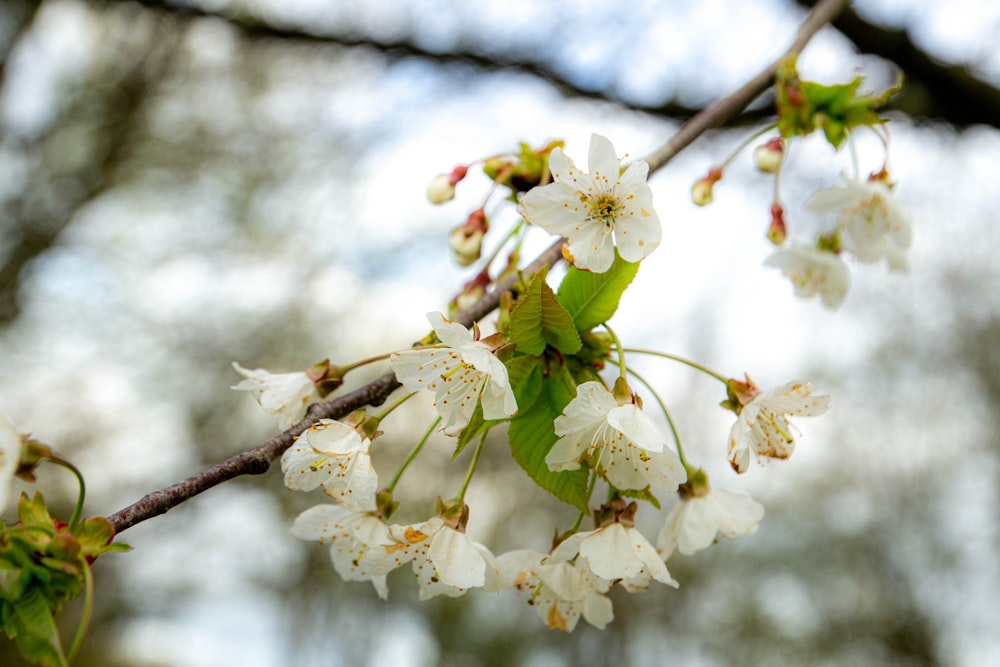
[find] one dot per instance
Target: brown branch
(257, 460)
(461, 55)
(729, 106)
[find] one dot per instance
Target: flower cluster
(870, 224)
(540, 376)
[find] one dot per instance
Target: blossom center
(604, 208)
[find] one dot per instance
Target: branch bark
(257, 460)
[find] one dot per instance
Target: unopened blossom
(619, 441)
(619, 553)
(445, 560)
(10, 455)
(284, 394)
(354, 537)
(814, 272)
(873, 225)
(596, 211)
(762, 427)
(693, 524)
(560, 592)
(335, 456)
(461, 374)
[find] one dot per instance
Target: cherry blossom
(461, 374)
(591, 209)
(621, 442)
(444, 559)
(618, 553)
(692, 525)
(284, 394)
(354, 536)
(763, 427)
(560, 592)
(873, 225)
(814, 272)
(333, 455)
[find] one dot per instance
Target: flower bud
(467, 244)
(440, 190)
(442, 187)
(701, 192)
(777, 232)
(769, 156)
(467, 239)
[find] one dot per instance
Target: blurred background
(187, 184)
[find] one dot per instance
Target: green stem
(590, 489)
(721, 378)
(510, 234)
(413, 454)
(78, 509)
(472, 466)
(385, 412)
(746, 142)
(364, 362)
(666, 413)
(622, 368)
(88, 608)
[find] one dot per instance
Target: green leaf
(592, 298)
(525, 375)
(641, 494)
(475, 427)
(29, 622)
(532, 433)
(539, 320)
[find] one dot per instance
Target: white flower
(691, 526)
(10, 457)
(461, 374)
(814, 272)
(621, 441)
(285, 394)
(354, 536)
(618, 553)
(763, 427)
(873, 224)
(445, 561)
(335, 456)
(560, 592)
(588, 209)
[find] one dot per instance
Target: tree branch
(257, 460)
(398, 49)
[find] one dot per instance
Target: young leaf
(592, 298)
(539, 320)
(475, 428)
(28, 621)
(532, 435)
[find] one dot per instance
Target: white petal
(424, 369)
(603, 163)
(637, 427)
(457, 560)
(556, 208)
(10, 457)
(591, 247)
(451, 333)
(589, 407)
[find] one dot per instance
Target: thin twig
(257, 460)
(729, 106)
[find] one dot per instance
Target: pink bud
(769, 156)
(701, 192)
(778, 231)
